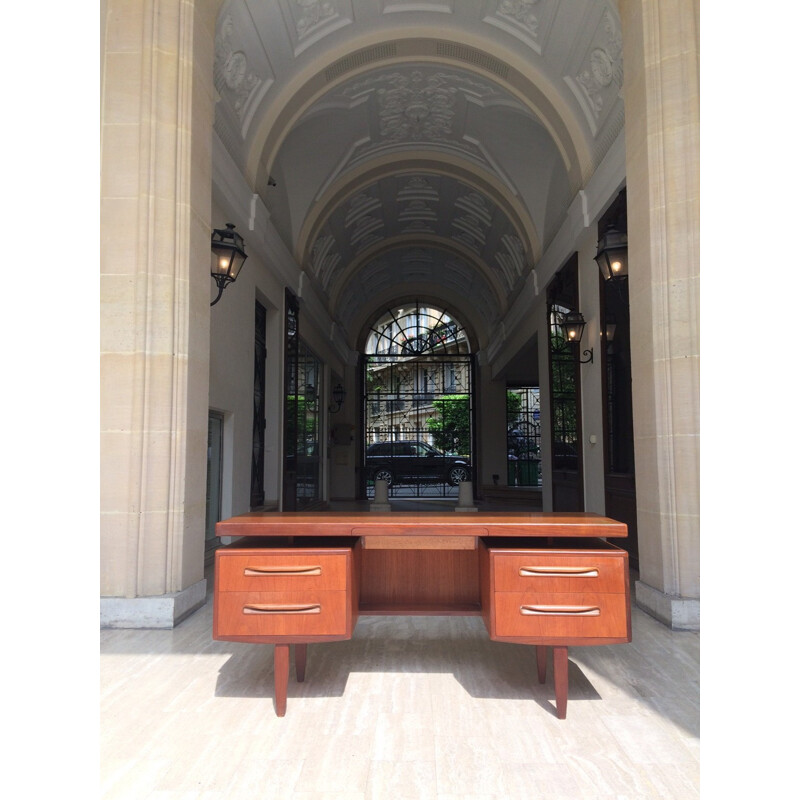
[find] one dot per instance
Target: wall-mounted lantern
(229, 257)
(338, 398)
(612, 254)
(573, 324)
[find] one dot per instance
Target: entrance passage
(417, 404)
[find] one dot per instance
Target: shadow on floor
(484, 669)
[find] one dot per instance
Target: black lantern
(229, 256)
(612, 254)
(338, 398)
(572, 325)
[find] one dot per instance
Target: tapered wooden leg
(300, 661)
(560, 678)
(281, 678)
(541, 662)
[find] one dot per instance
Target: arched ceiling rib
(401, 143)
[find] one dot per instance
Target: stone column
(661, 59)
(156, 120)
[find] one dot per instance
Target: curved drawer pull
(559, 611)
(274, 608)
(281, 571)
(558, 572)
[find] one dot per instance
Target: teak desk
(545, 579)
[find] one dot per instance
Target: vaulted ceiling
(409, 146)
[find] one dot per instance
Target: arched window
(416, 329)
(417, 404)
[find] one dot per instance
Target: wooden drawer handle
(282, 571)
(559, 611)
(274, 608)
(558, 572)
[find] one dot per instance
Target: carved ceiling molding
(482, 193)
(313, 20)
(417, 189)
(432, 250)
(533, 91)
(324, 260)
(233, 77)
(418, 106)
(597, 82)
(360, 223)
(520, 18)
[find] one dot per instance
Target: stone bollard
(381, 500)
(465, 501)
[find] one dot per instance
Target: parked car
(404, 461)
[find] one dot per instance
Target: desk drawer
(291, 614)
(547, 571)
(265, 570)
(560, 615)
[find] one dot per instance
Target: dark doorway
(620, 477)
(290, 392)
(302, 485)
(565, 400)
(216, 425)
(259, 409)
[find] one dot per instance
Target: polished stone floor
(411, 707)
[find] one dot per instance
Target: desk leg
(300, 651)
(541, 662)
(281, 678)
(560, 678)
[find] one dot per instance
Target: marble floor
(411, 707)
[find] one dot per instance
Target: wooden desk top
(414, 523)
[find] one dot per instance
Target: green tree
(302, 424)
(451, 426)
(513, 406)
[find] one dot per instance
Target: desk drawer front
(557, 615)
(265, 571)
(543, 571)
(304, 613)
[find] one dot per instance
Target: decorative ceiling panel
(242, 71)
(595, 72)
(410, 268)
(411, 208)
(527, 20)
(310, 21)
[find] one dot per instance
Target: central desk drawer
(584, 614)
(266, 570)
(304, 613)
(543, 571)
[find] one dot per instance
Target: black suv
(399, 462)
